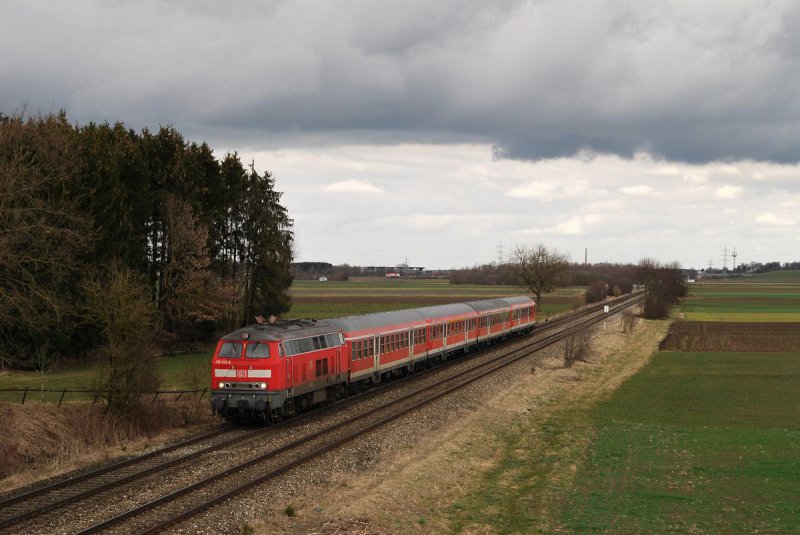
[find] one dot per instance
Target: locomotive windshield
(230, 350)
(257, 350)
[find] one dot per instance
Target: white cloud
(639, 189)
(352, 186)
(728, 192)
(550, 190)
(772, 219)
(696, 177)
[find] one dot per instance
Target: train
(272, 370)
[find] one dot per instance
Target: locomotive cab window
(230, 350)
(257, 351)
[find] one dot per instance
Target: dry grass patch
(41, 440)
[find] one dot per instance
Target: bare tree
(577, 345)
(191, 293)
(628, 321)
(119, 305)
(664, 285)
(541, 268)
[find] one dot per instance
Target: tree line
(204, 239)
(542, 269)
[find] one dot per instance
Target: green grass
(696, 441)
(730, 301)
(177, 372)
(776, 276)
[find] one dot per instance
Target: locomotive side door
(337, 365)
(289, 366)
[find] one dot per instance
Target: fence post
(62, 396)
(24, 395)
(203, 394)
(179, 395)
(154, 398)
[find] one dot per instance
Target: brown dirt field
(422, 480)
(732, 336)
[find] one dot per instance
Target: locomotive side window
(257, 351)
(333, 340)
(312, 343)
(230, 350)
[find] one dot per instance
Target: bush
(119, 305)
(577, 345)
(596, 292)
(628, 321)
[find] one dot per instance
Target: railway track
(184, 501)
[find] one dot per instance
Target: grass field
(697, 442)
(313, 299)
(187, 371)
(694, 443)
(737, 301)
(776, 276)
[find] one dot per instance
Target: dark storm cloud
(691, 81)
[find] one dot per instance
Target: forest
(108, 234)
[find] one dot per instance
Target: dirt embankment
(732, 336)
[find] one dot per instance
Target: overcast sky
(446, 131)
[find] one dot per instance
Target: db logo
(241, 373)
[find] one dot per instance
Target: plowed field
(732, 336)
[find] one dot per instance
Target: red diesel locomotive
(273, 370)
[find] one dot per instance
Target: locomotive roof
(282, 330)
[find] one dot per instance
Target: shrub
(577, 345)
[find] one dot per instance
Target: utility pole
(725, 258)
(500, 253)
(734, 255)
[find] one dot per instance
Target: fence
(50, 395)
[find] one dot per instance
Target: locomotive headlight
(222, 385)
(264, 386)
